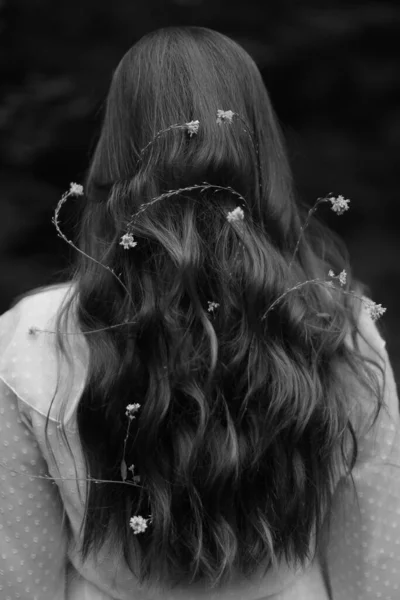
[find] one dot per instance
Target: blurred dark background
(332, 70)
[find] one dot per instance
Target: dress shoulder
(30, 362)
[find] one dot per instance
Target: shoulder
(35, 309)
(368, 340)
(30, 363)
(369, 344)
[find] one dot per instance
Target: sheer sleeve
(364, 550)
(32, 534)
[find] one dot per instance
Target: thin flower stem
(60, 233)
(159, 134)
(296, 287)
(54, 479)
(350, 293)
(123, 462)
(310, 214)
(34, 329)
(319, 281)
(204, 186)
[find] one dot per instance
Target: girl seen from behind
(233, 389)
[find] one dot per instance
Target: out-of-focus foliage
(332, 69)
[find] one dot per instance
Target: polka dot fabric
(32, 542)
(40, 519)
(364, 549)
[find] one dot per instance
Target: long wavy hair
(245, 424)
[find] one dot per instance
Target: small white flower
(374, 310)
(127, 241)
(235, 215)
(75, 189)
(212, 306)
(131, 409)
(339, 204)
(343, 277)
(224, 115)
(136, 478)
(192, 127)
(138, 524)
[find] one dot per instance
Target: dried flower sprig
(54, 479)
(127, 241)
(212, 306)
(317, 280)
(203, 187)
(235, 215)
(130, 412)
(139, 524)
(374, 310)
(225, 116)
(34, 330)
(77, 190)
(192, 128)
(339, 206)
(342, 277)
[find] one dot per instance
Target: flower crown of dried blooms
(339, 205)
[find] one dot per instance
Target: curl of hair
(244, 426)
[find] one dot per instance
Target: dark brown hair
(244, 423)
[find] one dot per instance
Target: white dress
(38, 559)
